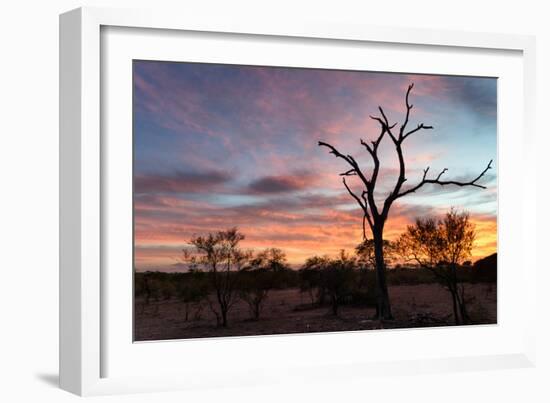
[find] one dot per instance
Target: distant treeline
(166, 284)
(326, 282)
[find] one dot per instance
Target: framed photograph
(238, 196)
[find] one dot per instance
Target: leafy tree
(338, 279)
(260, 278)
(441, 246)
(254, 289)
(310, 278)
(333, 279)
(272, 258)
(221, 255)
(192, 289)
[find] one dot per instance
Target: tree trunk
(455, 306)
(224, 317)
(462, 306)
(383, 298)
(459, 306)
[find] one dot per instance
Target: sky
(218, 146)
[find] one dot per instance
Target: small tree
(310, 278)
(254, 289)
(260, 277)
(338, 279)
(273, 259)
(148, 286)
(333, 279)
(441, 246)
(192, 289)
(221, 255)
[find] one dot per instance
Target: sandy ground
(412, 305)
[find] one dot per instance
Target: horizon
(184, 267)
(217, 146)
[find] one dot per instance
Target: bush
(192, 289)
(310, 283)
(410, 276)
(339, 279)
(254, 287)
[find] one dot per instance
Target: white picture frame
(88, 332)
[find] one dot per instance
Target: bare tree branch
(382, 123)
(399, 150)
(419, 127)
(441, 173)
(385, 124)
(351, 161)
(337, 153)
(438, 181)
(409, 106)
(366, 215)
(350, 172)
(363, 205)
(385, 127)
(369, 148)
(385, 118)
(373, 151)
(425, 173)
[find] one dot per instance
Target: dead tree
(375, 216)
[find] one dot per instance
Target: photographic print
(277, 200)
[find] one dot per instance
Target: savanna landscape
(271, 200)
(168, 311)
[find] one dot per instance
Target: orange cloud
(289, 231)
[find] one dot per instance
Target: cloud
(181, 182)
(479, 95)
(218, 146)
(282, 183)
(275, 184)
(301, 225)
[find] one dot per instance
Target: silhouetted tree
(258, 279)
(272, 258)
(338, 279)
(375, 215)
(192, 289)
(149, 287)
(221, 255)
(441, 246)
(330, 279)
(254, 289)
(310, 278)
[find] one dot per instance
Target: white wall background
(29, 201)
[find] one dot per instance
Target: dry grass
(413, 306)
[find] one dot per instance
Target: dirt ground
(413, 306)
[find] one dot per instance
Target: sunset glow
(218, 146)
